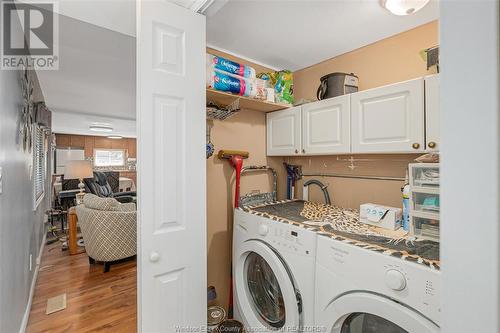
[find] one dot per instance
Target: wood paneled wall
(89, 143)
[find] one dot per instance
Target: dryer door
(362, 312)
(266, 297)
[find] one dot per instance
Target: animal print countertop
(343, 225)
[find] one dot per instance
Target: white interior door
(326, 126)
(284, 132)
(171, 168)
(389, 119)
(432, 112)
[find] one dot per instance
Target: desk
(73, 232)
(126, 184)
(67, 198)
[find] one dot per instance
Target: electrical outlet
(31, 261)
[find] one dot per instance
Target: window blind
(39, 164)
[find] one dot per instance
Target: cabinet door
(119, 143)
(63, 140)
(326, 126)
(284, 132)
(389, 119)
(432, 112)
(77, 141)
(101, 142)
(89, 146)
(131, 148)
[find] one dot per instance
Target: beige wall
(390, 60)
(243, 131)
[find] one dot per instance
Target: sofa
(109, 229)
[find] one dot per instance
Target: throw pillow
(92, 201)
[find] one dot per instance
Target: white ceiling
(297, 34)
(96, 78)
(78, 123)
(116, 15)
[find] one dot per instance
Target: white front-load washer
(273, 272)
(363, 291)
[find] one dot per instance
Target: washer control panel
(281, 236)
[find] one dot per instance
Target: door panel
(171, 167)
(284, 132)
(432, 112)
(389, 119)
(326, 126)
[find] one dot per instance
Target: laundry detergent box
(381, 216)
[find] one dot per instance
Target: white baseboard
(24, 322)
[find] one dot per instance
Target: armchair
(109, 229)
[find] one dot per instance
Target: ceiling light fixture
(403, 7)
(115, 137)
(101, 128)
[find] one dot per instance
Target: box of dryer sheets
(380, 216)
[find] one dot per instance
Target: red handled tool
(236, 158)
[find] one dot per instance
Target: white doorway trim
(470, 205)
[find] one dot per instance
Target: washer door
(266, 295)
(360, 312)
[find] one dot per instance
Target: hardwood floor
(96, 301)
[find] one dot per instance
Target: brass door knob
(431, 144)
(416, 145)
(296, 151)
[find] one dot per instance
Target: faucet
(305, 193)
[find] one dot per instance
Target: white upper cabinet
(389, 119)
(326, 126)
(284, 132)
(432, 112)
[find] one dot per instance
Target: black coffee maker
(336, 84)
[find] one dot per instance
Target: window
(39, 165)
(109, 157)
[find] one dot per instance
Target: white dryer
(362, 291)
(273, 272)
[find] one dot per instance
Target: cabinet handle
(415, 145)
(303, 151)
(431, 144)
(296, 151)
